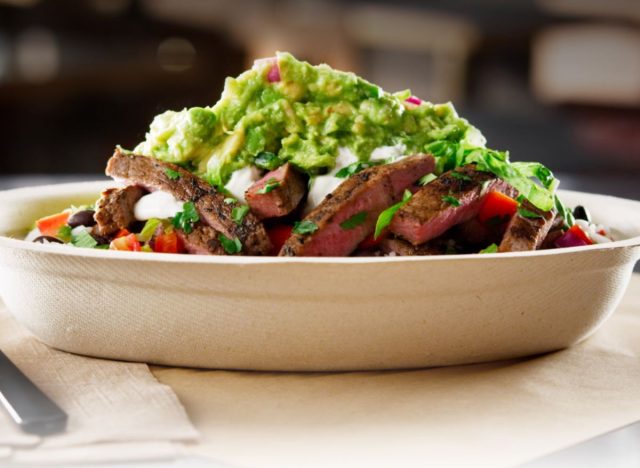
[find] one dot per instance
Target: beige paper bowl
(306, 313)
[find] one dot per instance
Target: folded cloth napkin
(117, 411)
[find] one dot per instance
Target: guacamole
(284, 109)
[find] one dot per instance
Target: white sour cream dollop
(161, 205)
(321, 186)
(241, 180)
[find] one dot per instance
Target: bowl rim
(85, 187)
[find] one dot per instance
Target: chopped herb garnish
(102, 247)
(529, 214)
(186, 218)
(83, 239)
(354, 221)
(493, 248)
(425, 179)
(149, 229)
(231, 246)
(460, 176)
(64, 233)
(384, 219)
(267, 160)
(453, 201)
(270, 186)
(304, 227)
(238, 213)
(230, 201)
(171, 174)
(351, 169)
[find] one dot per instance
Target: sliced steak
(203, 240)
(277, 194)
(454, 197)
(348, 215)
(526, 232)
(184, 186)
(402, 248)
(115, 209)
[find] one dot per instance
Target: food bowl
(309, 314)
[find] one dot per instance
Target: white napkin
(117, 411)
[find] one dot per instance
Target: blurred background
(556, 81)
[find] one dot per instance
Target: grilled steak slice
(402, 248)
(115, 209)
(454, 197)
(153, 175)
(277, 194)
(348, 215)
(202, 240)
(526, 232)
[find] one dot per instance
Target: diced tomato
(580, 234)
(168, 242)
(122, 233)
(370, 243)
(278, 235)
(50, 225)
(128, 243)
(497, 208)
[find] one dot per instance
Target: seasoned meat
(555, 232)
(402, 248)
(348, 215)
(277, 194)
(115, 209)
(526, 232)
(454, 197)
(155, 175)
(203, 240)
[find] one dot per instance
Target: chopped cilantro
(493, 248)
(304, 227)
(270, 186)
(171, 174)
(64, 233)
(83, 239)
(238, 213)
(230, 201)
(426, 179)
(351, 169)
(267, 160)
(453, 201)
(384, 219)
(231, 246)
(460, 176)
(354, 221)
(529, 214)
(186, 218)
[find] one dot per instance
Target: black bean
(82, 218)
(580, 212)
(47, 239)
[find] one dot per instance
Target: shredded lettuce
(533, 180)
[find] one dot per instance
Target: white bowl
(310, 314)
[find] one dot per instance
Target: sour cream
(161, 205)
(321, 186)
(241, 180)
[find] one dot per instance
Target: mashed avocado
(292, 111)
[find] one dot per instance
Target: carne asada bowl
(438, 249)
(309, 313)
